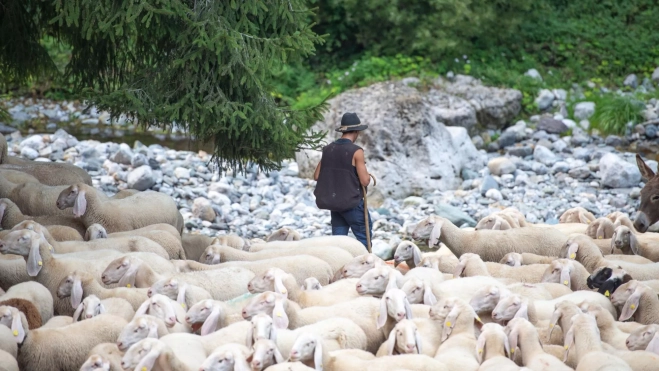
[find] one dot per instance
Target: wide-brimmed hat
(350, 122)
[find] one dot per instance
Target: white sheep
(357, 266)
(445, 264)
(488, 244)
(637, 300)
(458, 348)
(514, 259)
(639, 244)
(493, 349)
(584, 336)
(275, 279)
(226, 358)
(420, 291)
(211, 315)
(12, 270)
(147, 353)
(600, 228)
(497, 221)
(58, 321)
(141, 327)
(311, 284)
(410, 253)
(308, 349)
(103, 357)
(163, 234)
(567, 272)
(351, 245)
(177, 289)
(472, 265)
(619, 218)
(33, 299)
(576, 215)
(265, 354)
(92, 306)
(644, 338)
(377, 280)
(404, 338)
(283, 234)
(609, 332)
(523, 334)
(334, 256)
(353, 359)
(167, 310)
(8, 341)
(290, 366)
(81, 284)
(8, 362)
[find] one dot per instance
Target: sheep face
(142, 352)
(96, 363)
(376, 280)
(65, 287)
(406, 337)
(509, 307)
(268, 281)
(397, 306)
(161, 307)
(268, 303)
(95, 232)
(622, 294)
(405, 251)
(265, 354)
(117, 270)
(485, 299)
(304, 348)
(262, 328)
(558, 272)
(359, 265)
(223, 360)
(641, 337)
(89, 308)
(141, 327)
(512, 259)
(430, 262)
(311, 283)
(625, 240)
(211, 255)
(68, 197)
(18, 242)
(429, 228)
(576, 215)
(204, 310)
(167, 287)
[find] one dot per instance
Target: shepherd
(342, 181)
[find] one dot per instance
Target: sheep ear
(180, 298)
(76, 292)
(101, 309)
(143, 308)
(391, 342)
(497, 224)
(318, 355)
(569, 342)
(523, 311)
(506, 346)
(512, 340)
(249, 339)
(428, 296)
(382, 315)
(273, 334)
(480, 347)
(279, 317)
(572, 250)
(459, 268)
(653, 345)
(34, 261)
(435, 233)
(148, 361)
(153, 330)
(338, 274)
(279, 286)
(87, 234)
(631, 305)
(552, 323)
(583, 219)
(633, 243)
(17, 326)
(600, 231)
(565, 276)
(278, 357)
(417, 339)
(80, 205)
(393, 278)
(210, 324)
(416, 254)
(78, 312)
(449, 323)
(613, 243)
(408, 309)
(128, 279)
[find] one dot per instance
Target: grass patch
(613, 112)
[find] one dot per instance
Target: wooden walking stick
(368, 231)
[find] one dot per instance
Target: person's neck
(349, 137)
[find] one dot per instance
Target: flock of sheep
(90, 282)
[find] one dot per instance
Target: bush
(613, 112)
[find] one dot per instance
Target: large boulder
(618, 173)
(406, 148)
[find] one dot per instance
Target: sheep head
(212, 255)
(122, 270)
(143, 355)
(430, 228)
(73, 196)
(95, 232)
(641, 337)
(377, 280)
(624, 239)
(407, 250)
(607, 280)
(140, 327)
(576, 215)
(628, 296)
(265, 354)
(161, 307)
(509, 307)
(95, 363)
(485, 299)
(600, 228)
(450, 312)
(418, 291)
(25, 243)
(492, 335)
(559, 271)
(308, 348)
(271, 280)
(270, 303)
(311, 283)
(11, 317)
(227, 358)
(262, 328)
(206, 315)
(513, 259)
(89, 308)
(404, 339)
(357, 266)
(71, 286)
(171, 288)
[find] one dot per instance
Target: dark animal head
(607, 280)
(648, 211)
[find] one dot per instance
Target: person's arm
(360, 164)
(317, 172)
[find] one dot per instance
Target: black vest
(338, 187)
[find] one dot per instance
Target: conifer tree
(204, 65)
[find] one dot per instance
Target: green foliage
(613, 112)
(203, 65)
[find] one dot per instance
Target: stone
(122, 156)
(467, 174)
(404, 141)
(544, 155)
(29, 153)
(138, 160)
(488, 183)
(494, 194)
(545, 99)
(493, 147)
(413, 201)
(539, 168)
(655, 76)
(559, 145)
(455, 215)
(551, 126)
(560, 94)
(635, 193)
(522, 151)
(618, 173)
(584, 110)
(639, 129)
(478, 142)
(613, 140)
(569, 123)
(4, 129)
(141, 178)
(501, 165)
(560, 167)
(631, 81)
(581, 172)
(507, 138)
(650, 131)
(534, 74)
(203, 209)
(182, 173)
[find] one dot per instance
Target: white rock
(29, 153)
(182, 173)
(203, 209)
(534, 74)
(544, 155)
(545, 99)
(560, 94)
(655, 75)
(618, 173)
(494, 194)
(584, 110)
(141, 178)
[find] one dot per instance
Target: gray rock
(545, 99)
(413, 201)
(122, 156)
(139, 160)
(493, 147)
(631, 81)
(539, 168)
(4, 129)
(522, 151)
(455, 215)
(467, 174)
(487, 184)
(560, 94)
(478, 141)
(581, 172)
(544, 155)
(494, 194)
(613, 140)
(618, 173)
(501, 165)
(202, 209)
(534, 74)
(584, 110)
(141, 178)
(560, 167)
(507, 138)
(29, 153)
(650, 131)
(559, 145)
(182, 173)
(552, 126)
(655, 75)
(579, 140)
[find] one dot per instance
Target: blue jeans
(352, 219)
